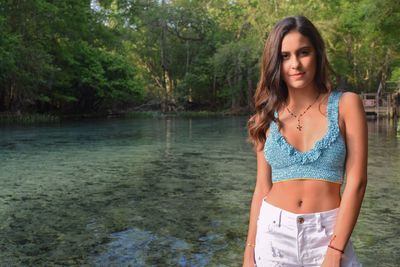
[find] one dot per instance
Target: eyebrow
(301, 48)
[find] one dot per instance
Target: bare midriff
(304, 195)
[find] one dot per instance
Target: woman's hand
(248, 259)
(332, 258)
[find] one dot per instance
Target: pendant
(299, 127)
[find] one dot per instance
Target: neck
(301, 98)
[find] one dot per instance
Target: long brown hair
(271, 90)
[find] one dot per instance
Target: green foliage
(395, 75)
(96, 79)
(8, 51)
(92, 56)
(62, 57)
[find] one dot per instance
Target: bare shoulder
(352, 115)
(349, 99)
(350, 104)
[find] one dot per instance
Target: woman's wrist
(336, 249)
(249, 248)
(249, 244)
(335, 253)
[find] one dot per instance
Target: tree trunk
(190, 98)
(164, 101)
(228, 80)
(237, 94)
(214, 91)
(250, 102)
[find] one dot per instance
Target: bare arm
(263, 185)
(356, 169)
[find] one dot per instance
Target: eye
(304, 52)
(284, 56)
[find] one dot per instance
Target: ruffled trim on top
(330, 136)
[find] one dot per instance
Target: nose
(295, 63)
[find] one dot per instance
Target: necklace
(299, 126)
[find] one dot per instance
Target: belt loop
(280, 218)
(319, 222)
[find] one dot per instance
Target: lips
(297, 75)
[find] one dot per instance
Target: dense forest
(94, 56)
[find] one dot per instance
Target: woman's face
(298, 61)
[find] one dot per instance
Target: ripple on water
(136, 247)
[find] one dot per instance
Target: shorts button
(300, 220)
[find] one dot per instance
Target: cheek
(313, 68)
(312, 63)
(284, 69)
(310, 66)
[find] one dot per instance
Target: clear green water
(157, 192)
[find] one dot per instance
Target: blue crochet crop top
(325, 161)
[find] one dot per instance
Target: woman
(307, 135)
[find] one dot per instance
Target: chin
(299, 86)
(306, 81)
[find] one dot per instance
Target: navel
(299, 203)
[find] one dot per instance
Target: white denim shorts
(288, 239)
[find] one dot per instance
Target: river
(161, 191)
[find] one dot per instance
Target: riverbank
(36, 118)
(26, 119)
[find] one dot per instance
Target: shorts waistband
(288, 217)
